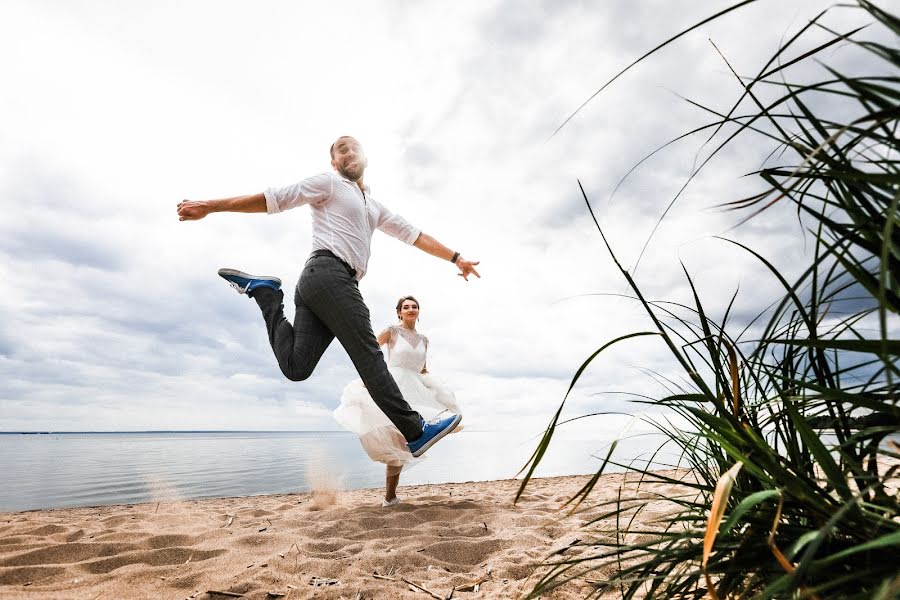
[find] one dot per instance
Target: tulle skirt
(380, 438)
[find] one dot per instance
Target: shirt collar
(365, 185)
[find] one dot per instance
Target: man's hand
(467, 267)
(191, 210)
(428, 244)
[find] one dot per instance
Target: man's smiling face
(348, 158)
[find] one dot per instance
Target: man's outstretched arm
(191, 210)
(428, 244)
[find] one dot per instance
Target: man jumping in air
(327, 298)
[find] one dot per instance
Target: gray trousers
(329, 305)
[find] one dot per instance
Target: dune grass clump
(792, 420)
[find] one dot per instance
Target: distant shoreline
(79, 468)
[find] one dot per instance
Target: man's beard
(353, 176)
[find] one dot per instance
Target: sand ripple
(439, 537)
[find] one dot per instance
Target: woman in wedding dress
(406, 353)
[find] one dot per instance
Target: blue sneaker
(245, 284)
(432, 432)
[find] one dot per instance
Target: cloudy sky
(113, 318)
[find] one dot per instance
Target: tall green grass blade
(813, 395)
(647, 54)
(545, 440)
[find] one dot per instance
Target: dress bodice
(406, 349)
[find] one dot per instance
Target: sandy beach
(468, 539)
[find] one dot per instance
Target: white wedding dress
(382, 441)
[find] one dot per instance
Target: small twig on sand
(157, 508)
(296, 557)
(419, 587)
(221, 593)
(471, 587)
(275, 595)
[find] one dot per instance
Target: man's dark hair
(331, 150)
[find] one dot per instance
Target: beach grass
(792, 418)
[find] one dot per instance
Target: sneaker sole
(437, 438)
(236, 273)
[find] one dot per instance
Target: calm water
(87, 469)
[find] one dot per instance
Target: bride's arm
(384, 337)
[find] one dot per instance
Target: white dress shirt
(344, 217)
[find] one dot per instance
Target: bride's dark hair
(400, 303)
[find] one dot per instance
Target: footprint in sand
(28, 574)
(168, 541)
(67, 554)
(464, 552)
(47, 530)
(153, 558)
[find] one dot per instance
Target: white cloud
(113, 317)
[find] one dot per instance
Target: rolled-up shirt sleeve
(313, 190)
(396, 226)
